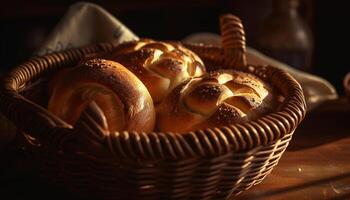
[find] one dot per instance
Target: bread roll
(124, 100)
(215, 99)
(160, 66)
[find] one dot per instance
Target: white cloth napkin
(87, 23)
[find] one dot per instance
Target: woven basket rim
(209, 142)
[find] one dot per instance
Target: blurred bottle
(285, 36)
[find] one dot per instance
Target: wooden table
(316, 164)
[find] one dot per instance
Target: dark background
(25, 24)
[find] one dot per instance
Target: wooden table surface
(316, 164)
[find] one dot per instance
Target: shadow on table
(327, 123)
(331, 188)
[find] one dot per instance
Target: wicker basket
(215, 163)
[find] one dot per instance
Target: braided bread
(215, 99)
(160, 66)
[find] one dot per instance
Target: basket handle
(233, 41)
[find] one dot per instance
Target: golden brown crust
(159, 65)
(215, 99)
(118, 92)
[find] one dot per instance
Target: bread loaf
(215, 99)
(121, 96)
(159, 65)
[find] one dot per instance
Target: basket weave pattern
(214, 163)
